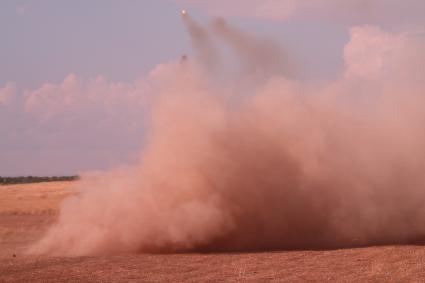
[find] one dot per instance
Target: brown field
(27, 210)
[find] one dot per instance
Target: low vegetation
(34, 179)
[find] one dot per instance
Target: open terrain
(27, 210)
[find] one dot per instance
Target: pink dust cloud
(283, 165)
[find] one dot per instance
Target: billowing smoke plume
(287, 165)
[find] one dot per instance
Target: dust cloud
(286, 165)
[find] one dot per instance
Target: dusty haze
(280, 164)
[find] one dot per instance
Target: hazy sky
(45, 40)
(73, 73)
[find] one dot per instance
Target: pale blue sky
(44, 41)
(120, 39)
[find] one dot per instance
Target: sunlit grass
(36, 198)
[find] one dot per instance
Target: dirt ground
(27, 210)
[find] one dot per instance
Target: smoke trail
(291, 166)
(201, 41)
(262, 58)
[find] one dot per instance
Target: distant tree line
(34, 179)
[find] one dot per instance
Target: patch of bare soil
(21, 224)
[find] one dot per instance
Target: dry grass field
(38, 198)
(27, 210)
